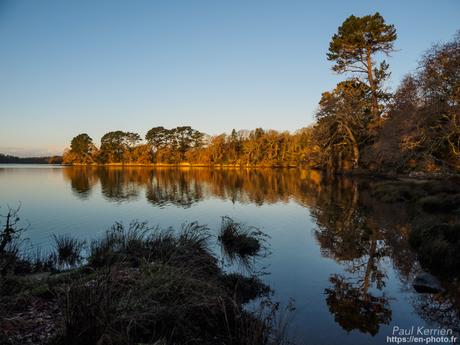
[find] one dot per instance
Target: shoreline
(413, 175)
(410, 176)
(187, 165)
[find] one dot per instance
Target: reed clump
(241, 240)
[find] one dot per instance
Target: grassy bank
(134, 285)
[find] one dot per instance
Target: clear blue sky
(92, 66)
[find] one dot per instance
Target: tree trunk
(370, 262)
(355, 146)
(370, 77)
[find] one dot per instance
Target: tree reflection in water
(184, 186)
(346, 235)
(82, 181)
(354, 308)
(353, 228)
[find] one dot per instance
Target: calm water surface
(341, 255)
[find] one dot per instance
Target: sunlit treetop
(357, 39)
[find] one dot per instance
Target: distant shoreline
(9, 159)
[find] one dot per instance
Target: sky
(93, 66)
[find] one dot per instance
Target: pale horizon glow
(96, 66)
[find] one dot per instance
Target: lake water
(340, 254)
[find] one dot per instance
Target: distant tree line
(187, 145)
(359, 124)
(8, 159)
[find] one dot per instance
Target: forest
(359, 125)
(186, 145)
(9, 159)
